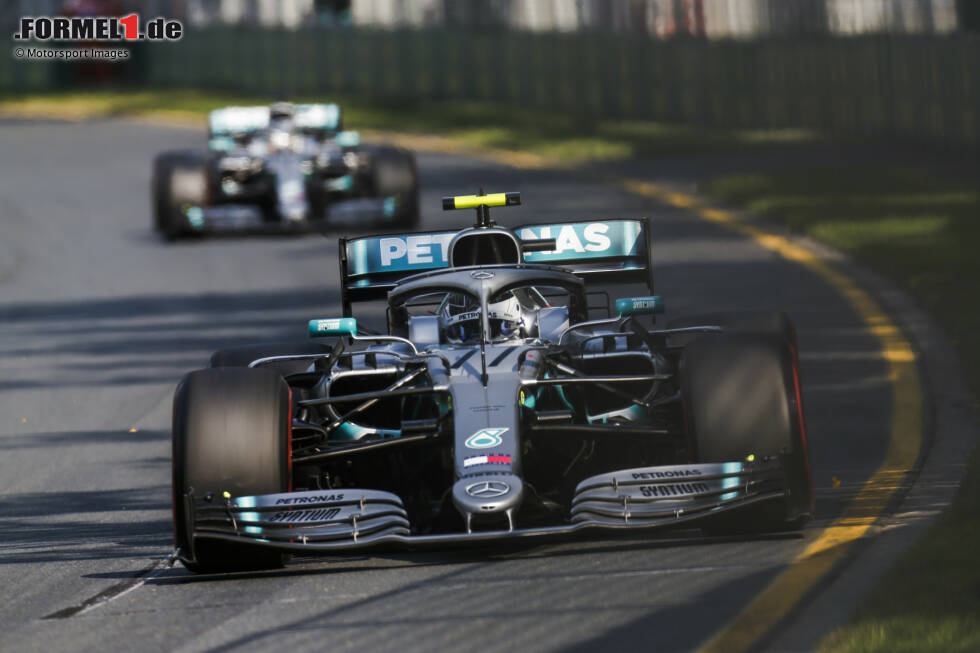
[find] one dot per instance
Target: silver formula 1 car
(282, 168)
(505, 399)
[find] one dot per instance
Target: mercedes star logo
(481, 274)
(487, 489)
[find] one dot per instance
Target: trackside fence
(922, 87)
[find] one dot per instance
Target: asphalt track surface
(99, 319)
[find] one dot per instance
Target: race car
(282, 167)
(506, 398)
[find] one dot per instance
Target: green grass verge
(557, 136)
(924, 231)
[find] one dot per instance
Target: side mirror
(630, 306)
(338, 326)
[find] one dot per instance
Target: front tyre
(741, 398)
(231, 430)
(180, 181)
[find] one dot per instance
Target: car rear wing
(232, 121)
(600, 251)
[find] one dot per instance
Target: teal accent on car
(237, 120)
(343, 183)
(348, 139)
(221, 144)
(317, 116)
(195, 216)
(731, 468)
(351, 431)
(628, 306)
(337, 326)
(389, 206)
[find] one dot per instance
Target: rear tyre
(242, 356)
(231, 431)
(394, 174)
(742, 397)
(180, 180)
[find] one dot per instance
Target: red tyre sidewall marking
(795, 365)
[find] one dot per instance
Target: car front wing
(343, 519)
(366, 212)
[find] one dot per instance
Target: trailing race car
(282, 168)
(497, 405)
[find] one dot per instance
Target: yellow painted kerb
(831, 545)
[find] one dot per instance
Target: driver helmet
(459, 320)
(280, 125)
(506, 319)
(281, 110)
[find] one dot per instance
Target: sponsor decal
(342, 326)
(585, 240)
(640, 305)
(319, 498)
(670, 473)
(486, 438)
(398, 253)
(464, 317)
(487, 489)
(674, 490)
(428, 251)
(294, 517)
(424, 249)
(492, 459)
(486, 409)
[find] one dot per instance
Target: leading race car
(283, 167)
(497, 405)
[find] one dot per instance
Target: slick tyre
(394, 174)
(231, 430)
(741, 398)
(244, 355)
(180, 180)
